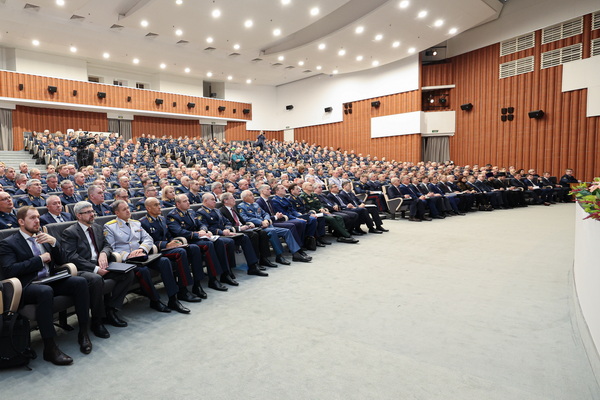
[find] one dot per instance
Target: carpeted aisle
(475, 307)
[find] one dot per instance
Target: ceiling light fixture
(319, 67)
(216, 13)
(179, 2)
(375, 63)
(276, 32)
(144, 23)
(35, 42)
(314, 11)
(411, 50)
(359, 58)
(236, 46)
(73, 49)
(179, 32)
(209, 74)
(438, 23)
(359, 30)
(248, 23)
(209, 40)
(342, 52)
(404, 3)
(378, 37)
(106, 55)
(422, 14)
(229, 77)
(187, 70)
(281, 58)
(136, 60)
(322, 46)
(163, 66)
(301, 63)
(60, 2)
(335, 71)
(285, 2)
(248, 81)
(453, 31)
(396, 44)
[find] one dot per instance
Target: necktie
(60, 218)
(36, 252)
(91, 233)
(270, 206)
(235, 217)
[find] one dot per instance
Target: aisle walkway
(476, 307)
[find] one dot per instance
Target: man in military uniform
(8, 215)
(212, 220)
(52, 183)
(34, 195)
(350, 218)
(96, 197)
(301, 206)
(127, 237)
(69, 196)
(336, 222)
(194, 194)
(250, 211)
(182, 222)
(149, 191)
(155, 224)
(9, 178)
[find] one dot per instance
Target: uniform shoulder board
(114, 221)
(131, 219)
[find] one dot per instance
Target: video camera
(85, 141)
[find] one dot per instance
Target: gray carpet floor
(475, 307)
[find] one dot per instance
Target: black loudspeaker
(345, 105)
(466, 107)
(537, 114)
(503, 110)
(511, 117)
(128, 98)
(21, 87)
(174, 104)
(349, 111)
(221, 108)
(207, 108)
(191, 105)
(346, 112)
(74, 92)
(349, 105)
(101, 95)
(246, 111)
(375, 104)
(158, 101)
(511, 110)
(52, 89)
(503, 118)
(328, 109)
(234, 110)
(290, 107)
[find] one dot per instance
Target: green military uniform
(336, 223)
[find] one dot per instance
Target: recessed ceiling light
(342, 52)
(335, 71)
(285, 2)
(301, 63)
(276, 32)
(209, 40)
(229, 77)
(359, 58)
(248, 23)
(281, 58)
(136, 60)
(379, 37)
(35, 42)
(106, 55)
(163, 66)
(236, 46)
(209, 74)
(179, 32)
(216, 13)
(248, 81)
(375, 63)
(314, 11)
(404, 3)
(439, 22)
(396, 44)
(144, 23)
(422, 14)
(412, 50)
(187, 70)
(73, 49)
(60, 2)
(322, 46)
(359, 29)
(453, 31)
(179, 2)
(319, 67)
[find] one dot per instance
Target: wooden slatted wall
(165, 126)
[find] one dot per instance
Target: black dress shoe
(189, 297)
(85, 344)
(299, 257)
(382, 229)
(426, 219)
(439, 217)
(229, 280)
(175, 305)
(256, 271)
(99, 330)
(159, 306)
(56, 356)
(373, 230)
(260, 267)
(113, 318)
(303, 254)
(414, 219)
(216, 285)
(198, 291)
(359, 232)
(281, 260)
(319, 244)
(267, 263)
(350, 239)
(323, 241)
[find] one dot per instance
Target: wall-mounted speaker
(503, 110)
(349, 105)
(511, 110)
(128, 98)
(207, 108)
(191, 105)
(158, 101)
(328, 109)
(345, 105)
(537, 114)
(174, 104)
(346, 111)
(101, 95)
(21, 87)
(74, 92)
(349, 111)
(234, 110)
(52, 89)
(289, 107)
(222, 108)
(246, 111)
(375, 104)
(511, 117)
(466, 107)
(503, 118)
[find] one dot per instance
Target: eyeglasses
(88, 212)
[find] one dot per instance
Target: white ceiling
(86, 25)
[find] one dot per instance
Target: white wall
(178, 84)
(442, 122)
(583, 74)
(397, 124)
(264, 104)
(517, 18)
(109, 75)
(28, 62)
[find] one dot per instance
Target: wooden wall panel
(237, 131)
(165, 126)
(27, 119)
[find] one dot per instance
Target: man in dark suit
(30, 255)
(416, 207)
(353, 202)
(282, 205)
(86, 246)
(279, 220)
(55, 212)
